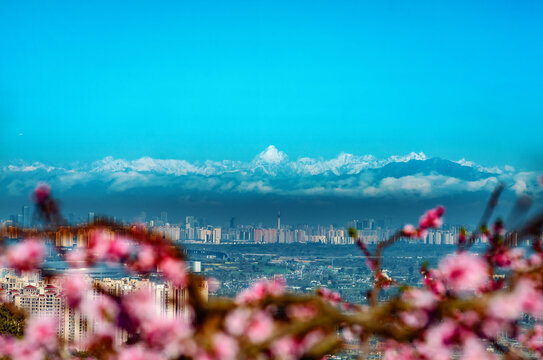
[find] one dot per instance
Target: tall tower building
(26, 216)
(278, 227)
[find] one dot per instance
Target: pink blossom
(473, 349)
(146, 258)
(464, 272)
(225, 347)
(416, 319)
(302, 311)
(438, 340)
(311, 339)
(75, 288)
(530, 298)
(420, 298)
(7, 345)
(260, 290)
(213, 285)
(237, 320)
(27, 350)
(102, 309)
(174, 270)
(160, 332)
(26, 255)
(42, 332)
(138, 352)
(333, 297)
(141, 305)
(118, 249)
(534, 339)
(397, 351)
(75, 258)
(260, 327)
(99, 244)
(433, 280)
(492, 327)
(42, 192)
(286, 348)
(276, 287)
(524, 298)
(409, 231)
(432, 218)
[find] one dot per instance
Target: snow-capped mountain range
(272, 172)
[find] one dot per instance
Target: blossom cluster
(470, 306)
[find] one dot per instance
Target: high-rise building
(26, 217)
(90, 219)
(164, 217)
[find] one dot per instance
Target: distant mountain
(271, 172)
(308, 190)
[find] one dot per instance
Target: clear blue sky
(222, 79)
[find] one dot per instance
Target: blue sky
(223, 80)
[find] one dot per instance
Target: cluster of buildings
(197, 230)
(40, 297)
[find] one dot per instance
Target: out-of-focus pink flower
(409, 231)
(438, 340)
(26, 350)
(420, 298)
(311, 339)
(286, 348)
(102, 309)
(160, 332)
(473, 349)
(237, 320)
(42, 332)
(261, 289)
(432, 218)
(213, 285)
(119, 248)
(26, 255)
(416, 319)
(398, 351)
(42, 193)
(141, 305)
(260, 327)
(75, 288)
(433, 280)
(351, 333)
(331, 296)
(524, 298)
(99, 244)
(276, 286)
(491, 327)
(174, 270)
(76, 257)
(7, 345)
(534, 339)
(464, 272)
(302, 311)
(138, 352)
(146, 258)
(225, 347)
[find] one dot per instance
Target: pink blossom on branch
(75, 288)
(42, 332)
(261, 289)
(464, 272)
(42, 193)
(26, 255)
(174, 270)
